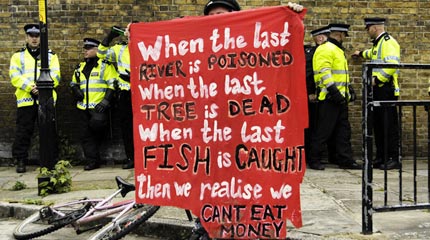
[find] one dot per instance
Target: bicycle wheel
(49, 219)
(125, 224)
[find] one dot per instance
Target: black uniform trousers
(312, 120)
(126, 119)
(333, 124)
(385, 124)
(25, 119)
(91, 138)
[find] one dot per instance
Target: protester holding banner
(120, 55)
(215, 7)
(92, 87)
(332, 79)
(385, 49)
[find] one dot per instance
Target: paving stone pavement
(330, 202)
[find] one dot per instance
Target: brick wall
(70, 21)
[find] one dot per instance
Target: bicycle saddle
(124, 186)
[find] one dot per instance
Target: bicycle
(84, 212)
(124, 225)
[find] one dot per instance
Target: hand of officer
(114, 34)
(356, 54)
(34, 90)
(77, 93)
(108, 39)
(335, 95)
(102, 106)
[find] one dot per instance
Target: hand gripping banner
(219, 108)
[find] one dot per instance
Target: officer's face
(90, 52)
(33, 40)
(320, 39)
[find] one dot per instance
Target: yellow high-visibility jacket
(385, 50)
(120, 55)
(24, 71)
(100, 79)
(330, 67)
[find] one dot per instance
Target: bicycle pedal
(45, 213)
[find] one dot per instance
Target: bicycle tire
(127, 223)
(34, 226)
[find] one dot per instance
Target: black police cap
(323, 30)
(32, 28)
(374, 21)
(231, 5)
(91, 42)
(339, 27)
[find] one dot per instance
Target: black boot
(377, 162)
(392, 163)
(129, 163)
(20, 166)
(91, 166)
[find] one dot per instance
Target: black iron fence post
(368, 208)
(367, 189)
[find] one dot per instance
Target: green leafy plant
(18, 186)
(66, 150)
(36, 202)
(57, 180)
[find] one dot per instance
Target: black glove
(77, 93)
(34, 96)
(104, 104)
(352, 93)
(108, 39)
(335, 95)
(125, 77)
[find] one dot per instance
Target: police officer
(332, 78)
(120, 55)
(24, 71)
(93, 87)
(385, 83)
(319, 36)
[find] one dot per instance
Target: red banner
(220, 107)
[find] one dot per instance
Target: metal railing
(369, 104)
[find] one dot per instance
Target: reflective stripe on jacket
(120, 55)
(101, 78)
(386, 50)
(24, 71)
(330, 67)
